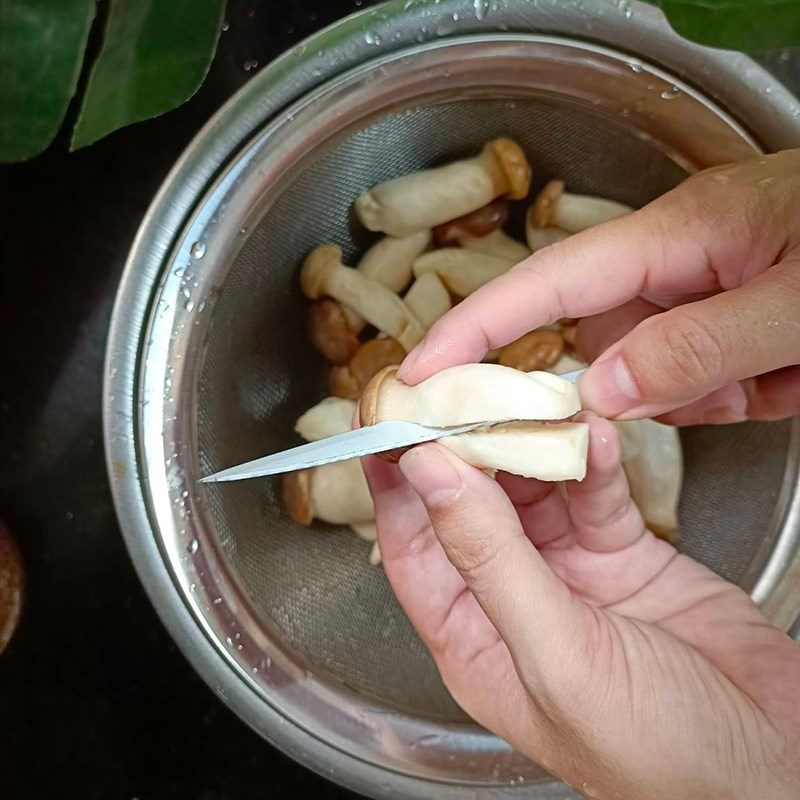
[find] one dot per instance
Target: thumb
(684, 354)
(476, 524)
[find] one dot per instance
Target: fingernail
(430, 474)
(410, 360)
(608, 388)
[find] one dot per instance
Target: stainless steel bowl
(207, 364)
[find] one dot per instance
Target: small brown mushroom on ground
(324, 274)
(572, 212)
(330, 331)
(431, 197)
(499, 244)
(329, 417)
(335, 493)
(428, 299)
(536, 350)
(462, 271)
(373, 356)
(531, 449)
(389, 263)
(469, 393)
(480, 222)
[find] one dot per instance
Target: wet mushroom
(537, 350)
(478, 223)
(389, 263)
(428, 298)
(499, 244)
(462, 271)
(572, 212)
(373, 356)
(431, 197)
(335, 493)
(324, 274)
(330, 331)
(329, 417)
(469, 393)
(531, 449)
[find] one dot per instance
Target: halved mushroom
(539, 238)
(469, 393)
(653, 461)
(389, 263)
(335, 493)
(572, 212)
(428, 198)
(324, 274)
(497, 243)
(331, 332)
(537, 350)
(462, 271)
(373, 356)
(329, 417)
(533, 450)
(478, 223)
(428, 299)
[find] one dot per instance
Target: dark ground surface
(95, 700)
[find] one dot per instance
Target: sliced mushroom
(573, 212)
(324, 274)
(431, 197)
(389, 263)
(653, 461)
(462, 271)
(335, 493)
(537, 350)
(480, 222)
(499, 244)
(329, 417)
(533, 450)
(469, 393)
(330, 331)
(428, 298)
(373, 356)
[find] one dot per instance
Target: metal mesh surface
(315, 585)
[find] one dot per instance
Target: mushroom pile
(443, 237)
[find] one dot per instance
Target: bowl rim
(278, 85)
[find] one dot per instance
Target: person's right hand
(691, 305)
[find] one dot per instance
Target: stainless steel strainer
(209, 365)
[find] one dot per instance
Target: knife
(352, 444)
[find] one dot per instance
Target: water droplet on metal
(372, 38)
(197, 250)
(217, 601)
(225, 26)
(193, 547)
(635, 66)
(481, 7)
(189, 305)
(670, 94)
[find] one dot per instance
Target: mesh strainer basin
(209, 366)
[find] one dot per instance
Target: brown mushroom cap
(537, 350)
(297, 496)
(480, 222)
(368, 406)
(514, 164)
(11, 586)
(316, 268)
(542, 209)
(342, 383)
(330, 333)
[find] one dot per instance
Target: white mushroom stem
(428, 298)
(573, 212)
(431, 197)
(533, 450)
(335, 493)
(368, 531)
(324, 274)
(653, 461)
(497, 243)
(462, 271)
(329, 417)
(389, 263)
(539, 238)
(469, 393)
(566, 363)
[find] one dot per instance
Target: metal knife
(352, 444)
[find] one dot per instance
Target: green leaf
(155, 55)
(41, 51)
(736, 24)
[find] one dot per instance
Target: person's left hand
(561, 624)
